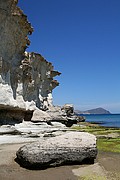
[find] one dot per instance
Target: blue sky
(82, 40)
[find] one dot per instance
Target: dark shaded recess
(14, 116)
(52, 163)
(28, 115)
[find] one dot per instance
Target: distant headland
(94, 111)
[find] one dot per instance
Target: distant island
(93, 111)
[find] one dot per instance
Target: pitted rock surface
(70, 148)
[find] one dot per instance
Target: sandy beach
(10, 170)
(106, 166)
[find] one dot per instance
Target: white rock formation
(14, 29)
(37, 78)
(24, 77)
(7, 100)
(29, 132)
(63, 115)
(40, 116)
(13, 110)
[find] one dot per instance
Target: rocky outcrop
(26, 79)
(37, 79)
(31, 70)
(40, 116)
(63, 115)
(69, 109)
(14, 29)
(27, 76)
(30, 132)
(71, 148)
(13, 111)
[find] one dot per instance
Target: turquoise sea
(108, 120)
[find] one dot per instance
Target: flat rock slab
(70, 148)
(94, 171)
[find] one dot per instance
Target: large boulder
(40, 116)
(56, 114)
(69, 109)
(70, 148)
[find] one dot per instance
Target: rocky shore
(34, 134)
(55, 144)
(28, 135)
(105, 167)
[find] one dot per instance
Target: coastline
(106, 165)
(105, 120)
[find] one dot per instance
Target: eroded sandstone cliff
(28, 74)
(24, 77)
(37, 79)
(14, 31)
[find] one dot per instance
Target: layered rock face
(29, 75)
(14, 29)
(37, 80)
(26, 79)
